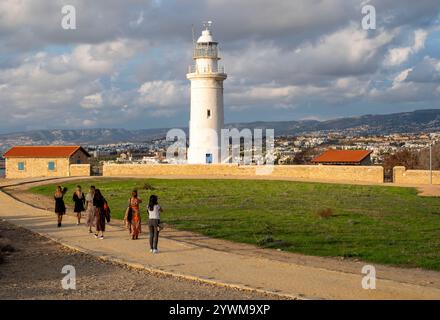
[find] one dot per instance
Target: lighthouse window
(209, 113)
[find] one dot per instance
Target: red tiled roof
(342, 156)
(43, 151)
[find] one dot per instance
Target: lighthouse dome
(206, 37)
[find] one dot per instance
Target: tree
(406, 158)
(413, 159)
(424, 158)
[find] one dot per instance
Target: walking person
(90, 209)
(100, 204)
(80, 200)
(60, 207)
(135, 224)
(128, 217)
(154, 210)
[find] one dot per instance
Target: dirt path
(33, 271)
(429, 191)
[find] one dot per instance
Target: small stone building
(46, 161)
(344, 157)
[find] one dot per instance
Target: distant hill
(84, 136)
(407, 122)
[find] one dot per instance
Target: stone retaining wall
(403, 176)
(371, 174)
(80, 170)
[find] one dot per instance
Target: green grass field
(386, 225)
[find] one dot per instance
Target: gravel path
(33, 271)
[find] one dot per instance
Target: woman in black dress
(60, 207)
(99, 203)
(80, 200)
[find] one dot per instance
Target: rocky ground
(32, 270)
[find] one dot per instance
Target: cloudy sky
(125, 64)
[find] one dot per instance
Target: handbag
(107, 211)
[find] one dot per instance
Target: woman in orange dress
(134, 204)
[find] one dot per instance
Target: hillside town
(288, 149)
(302, 149)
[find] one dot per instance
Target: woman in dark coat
(60, 207)
(100, 214)
(80, 200)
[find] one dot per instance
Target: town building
(46, 161)
(344, 157)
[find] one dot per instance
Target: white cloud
(350, 52)
(138, 21)
(102, 58)
(426, 71)
(419, 40)
(12, 13)
(397, 56)
(286, 54)
(401, 77)
(63, 89)
(169, 94)
(92, 101)
(89, 123)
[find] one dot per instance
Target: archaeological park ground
(387, 225)
(248, 239)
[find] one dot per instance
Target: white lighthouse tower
(207, 115)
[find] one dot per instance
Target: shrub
(325, 213)
(148, 186)
(265, 241)
(266, 232)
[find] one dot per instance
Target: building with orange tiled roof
(344, 157)
(46, 161)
